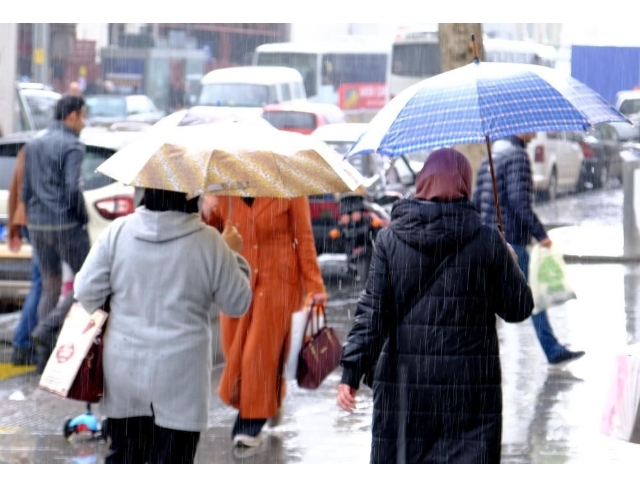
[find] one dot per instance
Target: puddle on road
(16, 447)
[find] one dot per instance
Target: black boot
(23, 356)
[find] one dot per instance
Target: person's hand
(347, 397)
(232, 238)
(14, 242)
(546, 242)
(208, 203)
(319, 299)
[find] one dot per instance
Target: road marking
(9, 370)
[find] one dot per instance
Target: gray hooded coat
(163, 271)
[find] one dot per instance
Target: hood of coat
(163, 226)
(435, 227)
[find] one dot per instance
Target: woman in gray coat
(162, 269)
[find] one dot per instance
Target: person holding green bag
(521, 224)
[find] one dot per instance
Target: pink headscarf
(446, 175)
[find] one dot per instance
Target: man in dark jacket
(56, 213)
(521, 224)
(427, 321)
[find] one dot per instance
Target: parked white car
(105, 200)
(556, 163)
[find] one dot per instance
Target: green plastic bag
(548, 278)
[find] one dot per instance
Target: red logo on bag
(90, 325)
(64, 353)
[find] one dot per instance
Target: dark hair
(67, 105)
(161, 200)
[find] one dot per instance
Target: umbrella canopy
(232, 158)
(481, 102)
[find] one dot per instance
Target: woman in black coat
(425, 327)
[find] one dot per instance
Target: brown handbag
(320, 354)
(88, 386)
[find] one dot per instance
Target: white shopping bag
(620, 416)
(299, 321)
(75, 339)
(548, 278)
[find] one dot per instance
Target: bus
(415, 56)
(350, 73)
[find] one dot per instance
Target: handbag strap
(308, 329)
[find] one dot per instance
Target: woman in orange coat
(279, 246)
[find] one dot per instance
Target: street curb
(601, 259)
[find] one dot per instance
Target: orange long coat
(278, 244)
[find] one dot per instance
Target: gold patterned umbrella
(234, 158)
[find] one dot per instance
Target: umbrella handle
(495, 187)
(474, 46)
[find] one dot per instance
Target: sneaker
(240, 452)
(565, 357)
(246, 441)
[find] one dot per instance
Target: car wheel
(552, 190)
(601, 176)
(583, 180)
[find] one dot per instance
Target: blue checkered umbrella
(481, 102)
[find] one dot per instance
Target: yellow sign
(82, 71)
(38, 55)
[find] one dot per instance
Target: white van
(251, 87)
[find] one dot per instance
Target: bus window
(355, 68)
(367, 70)
(419, 60)
(305, 63)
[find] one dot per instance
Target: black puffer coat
(515, 192)
(437, 380)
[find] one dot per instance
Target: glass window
(42, 108)
(420, 60)
(297, 91)
(306, 64)
(630, 107)
(7, 166)
(354, 68)
(286, 92)
(140, 104)
(291, 120)
(237, 95)
(20, 120)
(94, 156)
(106, 106)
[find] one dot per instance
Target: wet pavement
(551, 414)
